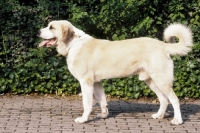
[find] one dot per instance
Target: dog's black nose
(39, 32)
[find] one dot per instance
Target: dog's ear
(67, 33)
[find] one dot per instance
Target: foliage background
(25, 68)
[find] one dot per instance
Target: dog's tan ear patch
(67, 33)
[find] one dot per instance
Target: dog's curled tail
(184, 36)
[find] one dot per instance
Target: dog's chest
(72, 54)
(74, 50)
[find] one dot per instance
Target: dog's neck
(76, 38)
(63, 49)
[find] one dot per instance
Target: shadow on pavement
(121, 109)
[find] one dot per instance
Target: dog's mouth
(48, 42)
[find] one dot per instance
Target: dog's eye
(51, 27)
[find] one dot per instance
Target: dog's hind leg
(165, 86)
(87, 95)
(162, 98)
(101, 98)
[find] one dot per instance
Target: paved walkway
(22, 114)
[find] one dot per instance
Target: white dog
(91, 60)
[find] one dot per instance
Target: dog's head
(56, 32)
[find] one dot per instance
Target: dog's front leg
(87, 97)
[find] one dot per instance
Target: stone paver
(22, 114)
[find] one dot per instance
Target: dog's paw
(99, 115)
(104, 113)
(103, 116)
(157, 116)
(176, 121)
(80, 120)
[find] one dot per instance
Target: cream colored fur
(91, 60)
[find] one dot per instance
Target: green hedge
(36, 71)
(25, 68)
